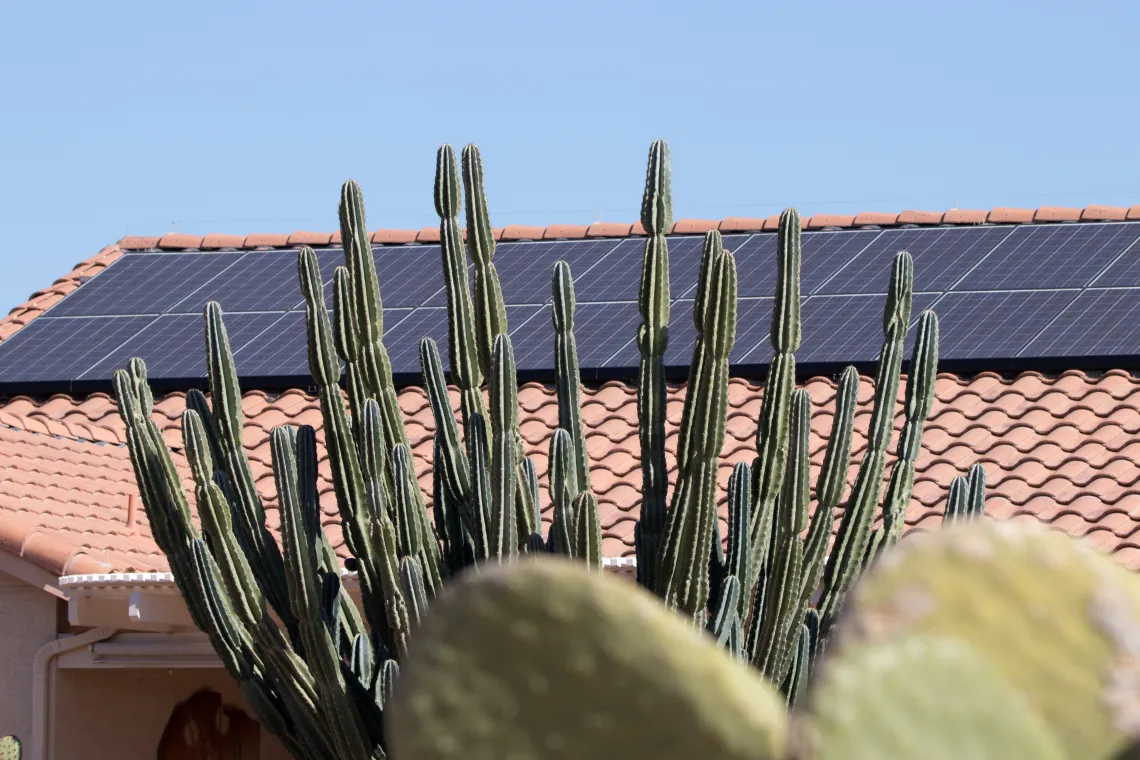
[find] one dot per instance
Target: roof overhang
(30, 573)
(150, 602)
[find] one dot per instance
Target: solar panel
(941, 256)
(604, 334)
(824, 253)
(174, 345)
(1051, 256)
(59, 350)
(280, 352)
(1122, 273)
(993, 325)
(1095, 323)
(841, 329)
(146, 283)
(617, 276)
(753, 317)
(409, 276)
(258, 281)
(526, 269)
(1001, 292)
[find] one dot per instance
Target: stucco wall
(112, 714)
(27, 622)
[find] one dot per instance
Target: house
(98, 657)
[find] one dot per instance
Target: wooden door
(202, 728)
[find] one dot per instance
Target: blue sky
(142, 118)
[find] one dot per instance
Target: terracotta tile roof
(180, 241)
(1062, 450)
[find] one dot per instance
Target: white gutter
(43, 696)
(151, 580)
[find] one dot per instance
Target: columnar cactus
(322, 677)
(652, 340)
(940, 654)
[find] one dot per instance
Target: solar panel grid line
(25, 361)
(996, 324)
(979, 263)
(731, 243)
(1091, 326)
(938, 254)
(144, 281)
(1114, 262)
(1050, 323)
(117, 347)
(204, 286)
(827, 280)
(1057, 256)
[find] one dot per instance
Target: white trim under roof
(150, 580)
(150, 602)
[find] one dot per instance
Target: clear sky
(142, 118)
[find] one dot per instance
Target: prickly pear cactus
(920, 697)
(1058, 621)
(9, 748)
(543, 659)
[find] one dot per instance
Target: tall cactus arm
(566, 374)
(347, 346)
(919, 401)
(357, 513)
(298, 536)
(237, 578)
(368, 313)
(253, 535)
(456, 471)
(504, 465)
(477, 516)
(976, 490)
(772, 431)
(682, 575)
(652, 340)
(562, 494)
(846, 558)
(739, 532)
(463, 351)
(587, 531)
(782, 607)
(832, 481)
(490, 311)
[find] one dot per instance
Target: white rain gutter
(43, 696)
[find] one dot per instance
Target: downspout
(43, 697)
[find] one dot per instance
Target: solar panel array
(1004, 295)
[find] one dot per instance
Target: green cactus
(919, 400)
(846, 558)
(652, 340)
(566, 375)
(682, 572)
(10, 748)
(782, 610)
(921, 697)
(772, 432)
(597, 668)
(1051, 616)
(321, 677)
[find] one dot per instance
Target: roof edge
(180, 241)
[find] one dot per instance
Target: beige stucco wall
(27, 622)
(104, 714)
